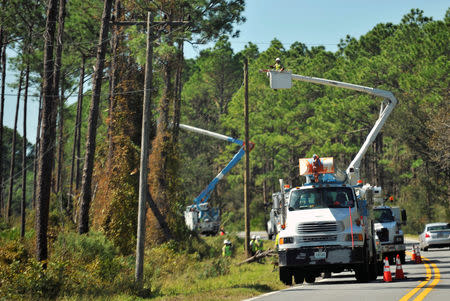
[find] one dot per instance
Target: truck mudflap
(327, 255)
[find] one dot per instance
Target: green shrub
(31, 281)
(217, 267)
(87, 247)
(13, 251)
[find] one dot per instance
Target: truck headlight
(286, 240)
(356, 237)
(398, 239)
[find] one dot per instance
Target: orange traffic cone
(418, 257)
(387, 276)
(413, 256)
(398, 269)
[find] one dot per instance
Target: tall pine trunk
(13, 151)
(56, 83)
(76, 136)
(2, 112)
(113, 80)
(86, 189)
(24, 154)
(46, 153)
(2, 96)
(36, 151)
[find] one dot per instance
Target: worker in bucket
(253, 245)
(226, 249)
(278, 66)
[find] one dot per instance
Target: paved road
(427, 281)
(263, 234)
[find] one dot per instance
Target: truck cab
(388, 221)
(327, 229)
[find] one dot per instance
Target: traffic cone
(387, 276)
(418, 257)
(413, 256)
(398, 269)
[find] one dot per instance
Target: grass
(89, 267)
(241, 282)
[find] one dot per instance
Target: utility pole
(144, 194)
(247, 162)
(143, 185)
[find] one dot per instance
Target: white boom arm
(283, 80)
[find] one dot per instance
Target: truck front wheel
(285, 276)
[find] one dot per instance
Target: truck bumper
(335, 257)
(385, 249)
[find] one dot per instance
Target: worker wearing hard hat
(259, 243)
(253, 246)
(226, 249)
(276, 241)
(278, 66)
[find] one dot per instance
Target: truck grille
(316, 238)
(317, 227)
(383, 234)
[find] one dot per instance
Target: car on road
(435, 235)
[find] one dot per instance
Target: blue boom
(206, 193)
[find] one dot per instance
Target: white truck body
(322, 238)
(388, 221)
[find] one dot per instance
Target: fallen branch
(259, 255)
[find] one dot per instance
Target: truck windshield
(383, 215)
(324, 197)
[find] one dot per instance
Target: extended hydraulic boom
(200, 216)
(283, 80)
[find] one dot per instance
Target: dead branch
(259, 255)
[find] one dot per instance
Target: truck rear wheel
(285, 276)
(310, 278)
(362, 271)
(402, 257)
(373, 270)
(299, 277)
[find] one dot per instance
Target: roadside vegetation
(68, 203)
(91, 267)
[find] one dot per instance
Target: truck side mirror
(404, 218)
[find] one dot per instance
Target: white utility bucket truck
(327, 224)
(388, 222)
(200, 216)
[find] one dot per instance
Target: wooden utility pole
(247, 162)
(143, 185)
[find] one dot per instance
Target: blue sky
(319, 22)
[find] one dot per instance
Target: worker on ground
(259, 243)
(226, 249)
(222, 231)
(253, 245)
(276, 241)
(278, 66)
